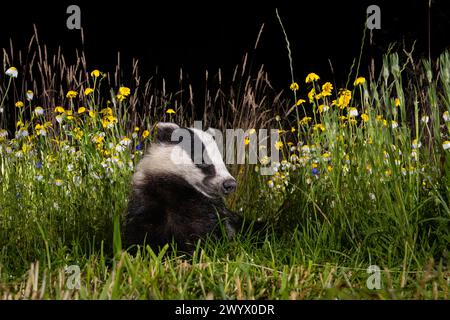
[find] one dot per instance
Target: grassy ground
(364, 182)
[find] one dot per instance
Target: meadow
(364, 181)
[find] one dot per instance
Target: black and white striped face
(192, 154)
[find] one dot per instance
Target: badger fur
(177, 196)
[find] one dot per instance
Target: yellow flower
(29, 94)
(39, 111)
(312, 77)
(365, 117)
(19, 104)
(92, 113)
(293, 129)
(311, 95)
(300, 102)
(19, 124)
(170, 111)
(88, 91)
(278, 145)
(323, 108)
(95, 73)
(145, 134)
(107, 111)
(124, 91)
(359, 81)
(59, 109)
(446, 145)
(319, 126)
(294, 86)
(71, 94)
(344, 98)
(136, 129)
(81, 110)
(246, 141)
(305, 120)
(397, 102)
(326, 89)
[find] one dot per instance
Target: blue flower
(315, 171)
(39, 165)
(139, 146)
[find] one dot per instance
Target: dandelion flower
(19, 104)
(359, 81)
(446, 145)
(344, 98)
(95, 74)
(81, 110)
(311, 95)
(305, 120)
(12, 72)
(29, 95)
(145, 134)
(170, 111)
(92, 113)
(246, 141)
(397, 102)
(319, 126)
(311, 77)
(88, 91)
(71, 94)
(294, 86)
(300, 102)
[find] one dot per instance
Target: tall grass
(364, 181)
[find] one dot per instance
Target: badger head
(189, 153)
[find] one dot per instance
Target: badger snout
(228, 186)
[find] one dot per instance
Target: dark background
(208, 35)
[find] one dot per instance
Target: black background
(202, 35)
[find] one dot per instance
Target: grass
(364, 181)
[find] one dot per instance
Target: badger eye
(206, 168)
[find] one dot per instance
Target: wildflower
(139, 147)
(40, 129)
(353, 112)
(319, 126)
(145, 134)
(246, 141)
(311, 77)
(39, 111)
(19, 124)
(270, 183)
(12, 72)
(81, 110)
(359, 81)
(106, 111)
(278, 145)
(305, 120)
(59, 109)
(416, 144)
(264, 160)
(315, 171)
(294, 86)
(425, 119)
(397, 102)
(326, 89)
(170, 111)
(446, 116)
(293, 129)
(394, 124)
(19, 104)
(300, 102)
(88, 91)
(92, 113)
(95, 74)
(119, 148)
(58, 182)
(365, 117)
(277, 118)
(311, 95)
(252, 131)
(120, 97)
(69, 114)
(29, 95)
(326, 156)
(323, 108)
(125, 141)
(124, 91)
(71, 94)
(344, 98)
(446, 145)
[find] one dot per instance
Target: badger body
(178, 196)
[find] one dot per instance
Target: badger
(177, 195)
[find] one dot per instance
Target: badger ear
(164, 131)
